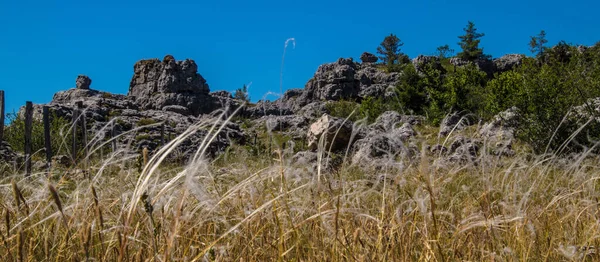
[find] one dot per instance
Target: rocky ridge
(174, 93)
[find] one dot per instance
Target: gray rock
(502, 127)
(337, 133)
(177, 109)
(381, 142)
(342, 80)
(507, 62)
(484, 65)
(421, 61)
(265, 108)
(452, 122)
(83, 82)
(7, 154)
(367, 57)
(157, 84)
(464, 149)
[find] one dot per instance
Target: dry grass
(524, 208)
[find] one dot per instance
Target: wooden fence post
(47, 143)
(2, 107)
(28, 125)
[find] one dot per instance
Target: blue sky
(44, 45)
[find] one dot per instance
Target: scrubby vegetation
(59, 129)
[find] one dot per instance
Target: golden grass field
(245, 208)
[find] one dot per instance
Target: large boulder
(367, 57)
(452, 123)
(499, 133)
(381, 142)
(342, 80)
(156, 84)
(83, 82)
(336, 133)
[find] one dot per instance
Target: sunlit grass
(249, 207)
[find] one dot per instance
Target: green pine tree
(469, 42)
(242, 94)
(537, 44)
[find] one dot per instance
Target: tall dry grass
(522, 208)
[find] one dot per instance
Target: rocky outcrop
(452, 123)
(482, 64)
(421, 62)
(83, 82)
(502, 127)
(336, 133)
(367, 57)
(384, 140)
(507, 62)
(157, 84)
(344, 79)
(491, 67)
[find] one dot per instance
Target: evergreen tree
(242, 94)
(390, 52)
(537, 44)
(470, 43)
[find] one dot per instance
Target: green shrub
(14, 133)
(343, 109)
(462, 90)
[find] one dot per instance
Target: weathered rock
(464, 149)
(375, 82)
(502, 126)
(384, 140)
(157, 84)
(337, 133)
(83, 82)
(7, 154)
(452, 122)
(421, 61)
(283, 123)
(265, 108)
(177, 109)
(367, 57)
(507, 62)
(484, 65)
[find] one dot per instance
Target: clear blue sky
(44, 45)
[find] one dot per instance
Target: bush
(343, 109)
(14, 133)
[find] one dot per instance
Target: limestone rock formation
(384, 140)
(83, 82)
(157, 84)
(507, 62)
(343, 79)
(337, 133)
